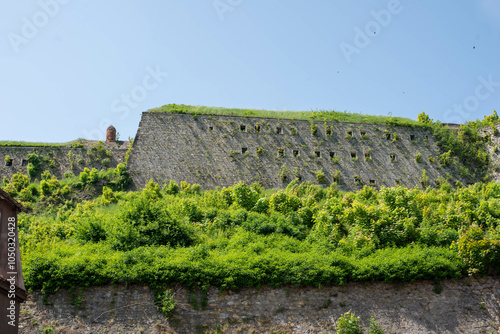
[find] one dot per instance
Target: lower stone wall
(462, 306)
(56, 159)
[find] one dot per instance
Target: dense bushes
(244, 236)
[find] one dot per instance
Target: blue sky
(69, 68)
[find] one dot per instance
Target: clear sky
(70, 68)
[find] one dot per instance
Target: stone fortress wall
(222, 150)
(468, 306)
(57, 159)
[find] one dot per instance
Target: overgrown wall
(465, 306)
(57, 159)
(222, 150)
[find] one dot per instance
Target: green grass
(74, 143)
(315, 115)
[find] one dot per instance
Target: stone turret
(111, 134)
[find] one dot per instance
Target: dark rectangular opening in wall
(279, 130)
(318, 154)
(398, 182)
(211, 128)
(393, 157)
(349, 133)
(243, 128)
(24, 162)
(362, 133)
(425, 137)
(328, 131)
(336, 179)
(8, 162)
(299, 178)
(412, 137)
(257, 128)
(372, 182)
(295, 153)
(438, 184)
(368, 156)
(388, 136)
(332, 154)
(353, 155)
(281, 152)
(244, 150)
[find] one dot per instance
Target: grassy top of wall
(316, 115)
(74, 143)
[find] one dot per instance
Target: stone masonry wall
(464, 306)
(56, 159)
(222, 150)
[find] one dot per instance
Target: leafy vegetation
(315, 115)
(75, 143)
(241, 236)
(464, 146)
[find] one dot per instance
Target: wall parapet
(462, 306)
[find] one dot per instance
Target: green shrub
(284, 173)
(349, 323)
(320, 176)
(375, 327)
(314, 129)
(478, 251)
(245, 196)
(172, 188)
(284, 202)
(418, 157)
(146, 222)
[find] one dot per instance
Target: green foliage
(284, 173)
(444, 159)
(317, 115)
(349, 323)
(129, 150)
(320, 176)
(164, 299)
(34, 165)
(418, 157)
(145, 221)
(465, 144)
(424, 118)
(375, 327)
(245, 196)
(172, 188)
(260, 151)
(314, 129)
(244, 236)
(98, 152)
(479, 250)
